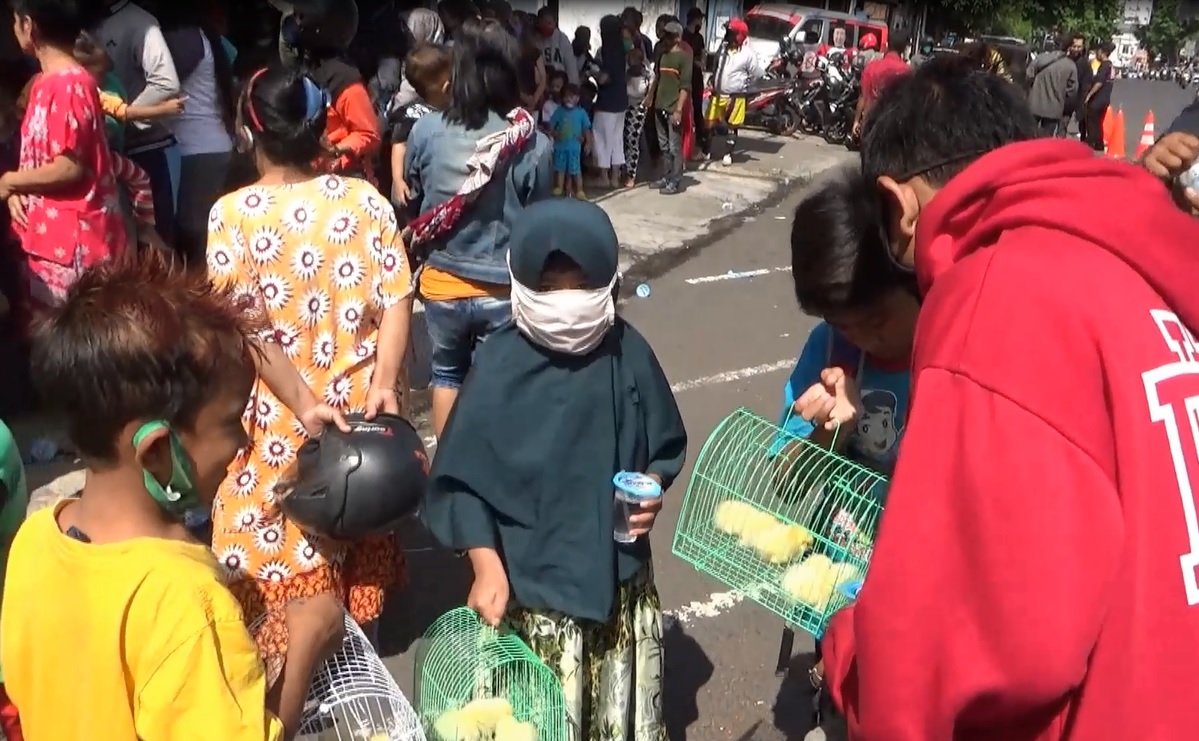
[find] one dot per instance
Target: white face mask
(572, 322)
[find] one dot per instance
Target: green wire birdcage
(478, 683)
(783, 521)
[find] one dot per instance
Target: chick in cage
(774, 541)
(814, 580)
(484, 719)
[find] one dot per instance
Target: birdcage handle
(836, 430)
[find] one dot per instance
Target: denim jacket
(435, 167)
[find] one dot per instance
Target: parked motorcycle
(838, 123)
(771, 106)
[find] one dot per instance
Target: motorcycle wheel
(789, 120)
(809, 124)
(836, 133)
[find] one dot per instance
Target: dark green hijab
(526, 461)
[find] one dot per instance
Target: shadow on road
(438, 581)
(688, 669)
(793, 704)
(770, 145)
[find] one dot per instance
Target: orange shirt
(438, 285)
(353, 127)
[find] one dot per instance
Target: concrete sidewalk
(653, 227)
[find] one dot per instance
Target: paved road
(1138, 97)
(725, 341)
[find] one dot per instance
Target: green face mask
(628, 44)
(179, 495)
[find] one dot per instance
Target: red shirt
(879, 72)
(81, 223)
(1036, 575)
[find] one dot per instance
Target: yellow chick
(452, 726)
(755, 524)
(511, 729)
(474, 721)
(781, 543)
(485, 712)
(814, 580)
(731, 515)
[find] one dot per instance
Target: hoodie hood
(1062, 186)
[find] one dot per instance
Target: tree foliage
(1096, 19)
(1165, 33)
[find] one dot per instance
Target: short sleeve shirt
(81, 223)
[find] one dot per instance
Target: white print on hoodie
(559, 54)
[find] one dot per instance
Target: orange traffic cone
(1109, 124)
(1148, 136)
(1115, 148)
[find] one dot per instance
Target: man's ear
(902, 207)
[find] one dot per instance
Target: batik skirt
(611, 672)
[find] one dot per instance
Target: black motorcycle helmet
(320, 26)
(365, 482)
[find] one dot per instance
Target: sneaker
(660, 183)
(727, 160)
(670, 189)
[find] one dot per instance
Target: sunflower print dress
(322, 260)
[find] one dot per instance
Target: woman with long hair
(476, 164)
(321, 256)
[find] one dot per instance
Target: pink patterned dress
(79, 225)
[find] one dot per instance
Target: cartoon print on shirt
(878, 428)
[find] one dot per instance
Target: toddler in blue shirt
(571, 126)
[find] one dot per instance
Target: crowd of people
(191, 359)
(1021, 367)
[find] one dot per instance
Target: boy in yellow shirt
(116, 622)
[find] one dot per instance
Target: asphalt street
(726, 329)
(1138, 97)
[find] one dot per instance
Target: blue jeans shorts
(568, 159)
(456, 328)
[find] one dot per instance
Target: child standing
(573, 383)
(63, 199)
(553, 97)
(849, 388)
(571, 126)
(151, 369)
(427, 70)
(854, 370)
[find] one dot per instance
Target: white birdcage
(354, 698)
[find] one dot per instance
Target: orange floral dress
(323, 260)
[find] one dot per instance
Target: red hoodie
(1035, 574)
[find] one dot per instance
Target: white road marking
(735, 275)
(731, 376)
